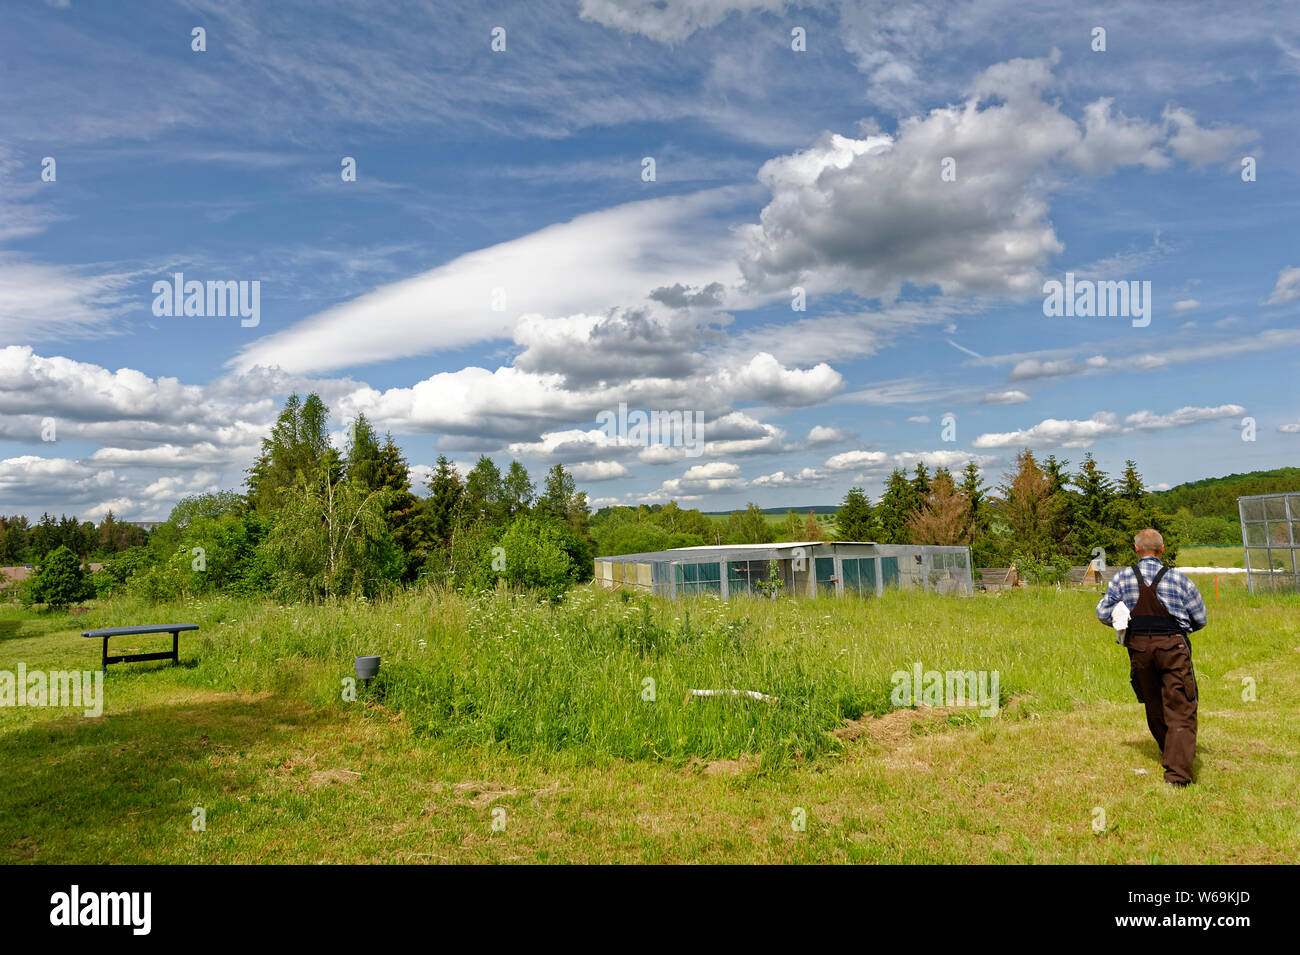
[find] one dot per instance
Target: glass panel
(1256, 534)
(1256, 558)
(1279, 532)
(1275, 508)
(738, 577)
(1252, 510)
(690, 573)
(867, 573)
(825, 574)
(889, 571)
(850, 575)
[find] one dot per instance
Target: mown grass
(1212, 556)
(502, 703)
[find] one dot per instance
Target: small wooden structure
(993, 579)
(1090, 575)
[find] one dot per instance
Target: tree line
(1042, 515)
(314, 521)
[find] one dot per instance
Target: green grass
(501, 703)
(1212, 557)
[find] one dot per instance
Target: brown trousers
(1163, 675)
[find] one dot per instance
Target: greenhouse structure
(1270, 533)
(798, 569)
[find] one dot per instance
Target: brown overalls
(1160, 656)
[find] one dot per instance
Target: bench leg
(176, 648)
(105, 656)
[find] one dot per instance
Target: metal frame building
(1270, 534)
(804, 569)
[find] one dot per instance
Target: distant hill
(1217, 497)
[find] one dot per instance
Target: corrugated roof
(699, 550)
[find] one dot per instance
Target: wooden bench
(173, 628)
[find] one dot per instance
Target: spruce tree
(855, 520)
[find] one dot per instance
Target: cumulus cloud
(872, 214)
(32, 482)
(763, 378)
(599, 471)
(820, 435)
(1287, 288)
(1202, 145)
(1069, 433)
(1147, 421)
(679, 296)
(851, 460)
(570, 445)
(950, 459)
(1010, 397)
(625, 344)
(780, 479)
(1032, 368)
(711, 478)
(1055, 432)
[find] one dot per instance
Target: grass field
(1211, 557)
(534, 718)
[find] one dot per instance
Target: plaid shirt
(1175, 590)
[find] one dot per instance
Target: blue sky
(515, 179)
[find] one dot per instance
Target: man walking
(1163, 608)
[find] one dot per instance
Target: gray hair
(1149, 539)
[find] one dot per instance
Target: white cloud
(1147, 421)
(849, 460)
(1287, 288)
(820, 435)
(599, 471)
(872, 214)
(764, 378)
(41, 302)
(701, 479)
(1010, 397)
(1054, 432)
(1185, 306)
(779, 479)
(1202, 145)
(671, 21)
(622, 254)
(1067, 433)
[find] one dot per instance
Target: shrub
(531, 554)
(59, 581)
